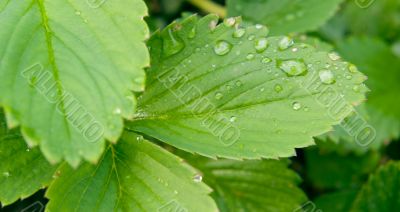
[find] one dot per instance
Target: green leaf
(67, 71)
(285, 16)
(266, 185)
(133, 175)
(375, 59)
(216, 93)
(381, 192)
(336, 201)
(354, 20)
(23, 171)
(327, 169)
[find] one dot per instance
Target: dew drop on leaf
(250, 56)
(278, 88)
(334, 56)
(285, 43)
(261, 45)
(172, 43)
(352, 68)
(238, 83)
(233, 119)
(296, 106)
(326, 76)
(192, 33)
(6, 174)
(251, 37)
(219, 95)
(197, 178)
(238, 33)
(292, 67)
(222, 47)
(139, 138)
(213, 25)
(229, 22)
(266, 60)
(356, 88)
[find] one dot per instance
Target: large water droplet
(139, 138)
(172, 43)
(296, 105)
(292, 67)
(229, 22)
(222, 47)
(238, 33)
(233, 119)
(326, 76)
(285, 43)
(213, 25)
(197, 178)
(261, 45)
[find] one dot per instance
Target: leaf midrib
(54, 69)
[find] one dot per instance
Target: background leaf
(133, 175)
(284, 16)
(23, 171)
(67, 68)
(266, 185)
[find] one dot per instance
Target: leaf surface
(133, 175)
(285, 16)
(215, 93)
(67, 70)
(266, 185)
(23, 171)
(381, 192)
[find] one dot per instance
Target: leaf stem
(210, 7)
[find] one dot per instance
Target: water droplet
(352, 68)
(218, 95)
(259, 26)
(250, 56)
(192, 33)
(306, 109)
(213, 25)
(295, 49)
(77, 12)
(356, 88)
(232, 119)
(261, 45)
(28, 150)
(326, 77)
(238, 33)
(228, 87)
(6, 174)
(172, 43)
(238, 83)
(117, 111)
(348, 76)
(278, 88)
(139, 138)
(262, 89)
(334, 56)
(296, 106)
(285, 43)
(222, 47)
(197, 178)
(292, 67)
(266, 60)
(229, 22)
(176, 192)
(251, 37)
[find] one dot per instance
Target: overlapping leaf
(234, 93)
(266, 185)
(67, 70)
(23, 171)
(133, 175)
(285, 16)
